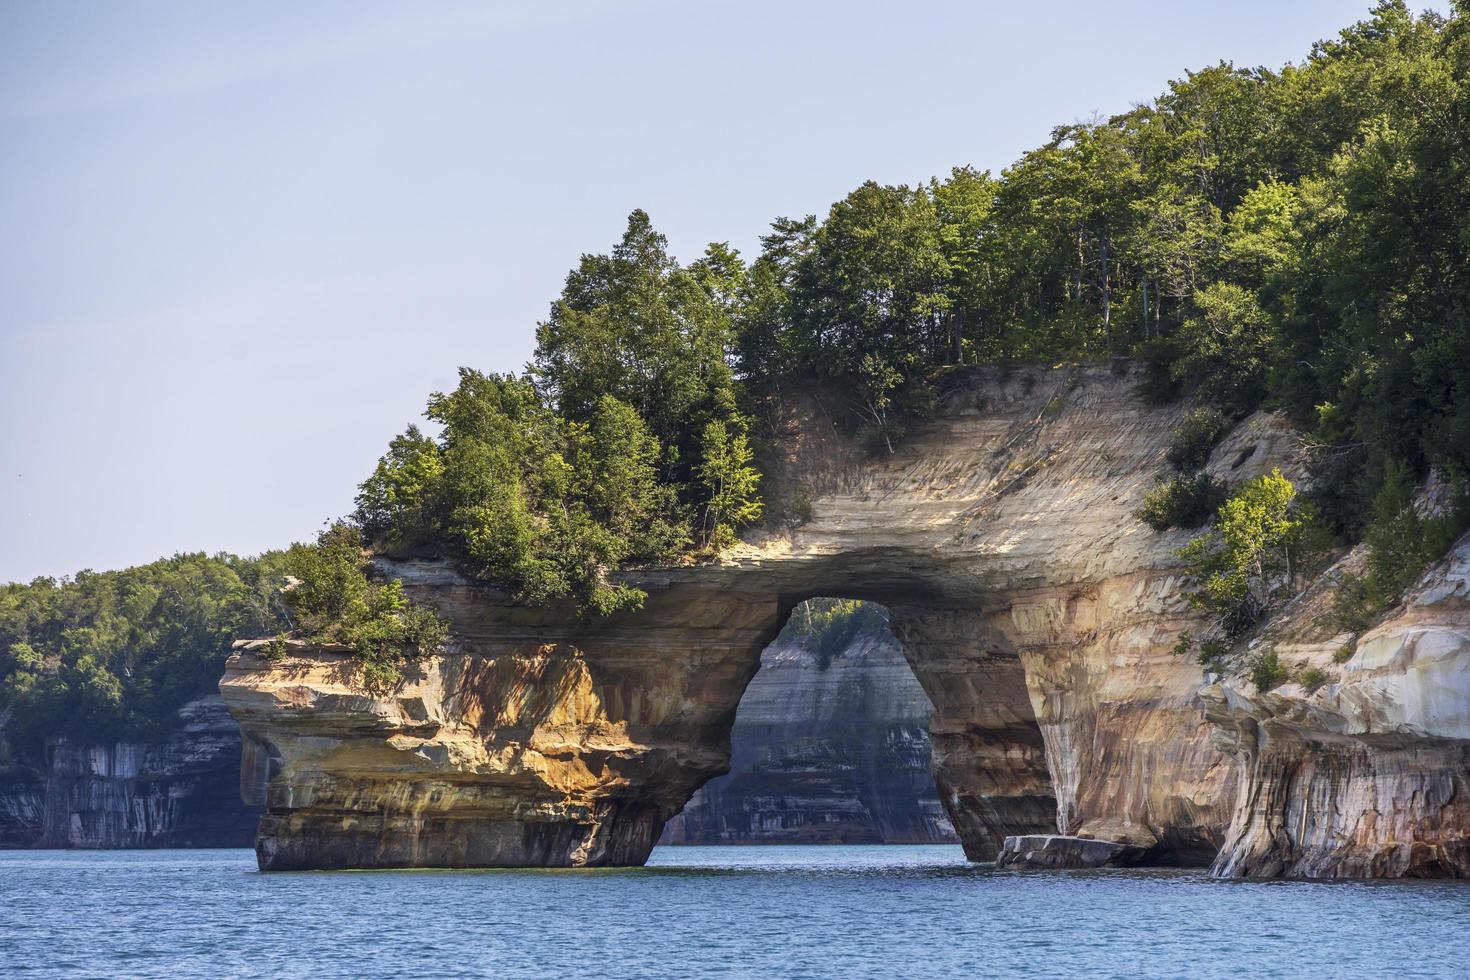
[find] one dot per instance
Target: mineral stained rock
(1367, 776)
(833, 751)
(1036, 611)
(178, 792)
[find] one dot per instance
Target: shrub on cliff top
(1181, 501)
(335, 601)
(1197, 434)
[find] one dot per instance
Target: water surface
(709, 911)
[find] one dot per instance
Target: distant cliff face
(834, 752)
(183, 792)
(1037, 612)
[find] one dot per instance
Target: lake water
(709, 911)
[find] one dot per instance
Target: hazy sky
(240, 244)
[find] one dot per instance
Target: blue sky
(240, 244)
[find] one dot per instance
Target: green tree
(1262, 237)
(1225, 348)
(729, 480)
(1251, 556)
(504, 477)
(769, 350)
(616, 466)
(398, 504)
(872, 303)
(336, 601)
(964, 206)
(634, 325)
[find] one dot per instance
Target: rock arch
(1036, 611)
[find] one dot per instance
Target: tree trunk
(1144, 286)
(957, 330)
(1107, 287)
(1081, 264)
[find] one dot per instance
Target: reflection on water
(721, 911)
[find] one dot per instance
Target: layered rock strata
(1036, 611)
(1367, 775)
(824, 752)
(543, 739)
(178, 792)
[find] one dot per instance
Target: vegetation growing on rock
(1267, 671)
(829, 626)
(1295, 239)
(336, 601)
(1194, 439)
(107, 656)
(1401, 544)
(1181, 501)
(622, 443)
(1253, 555)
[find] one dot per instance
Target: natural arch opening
(830, 743)
(875, 723)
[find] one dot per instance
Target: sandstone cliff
(834, 752)
(181, 792)
(1036, 611)
(1369, 774)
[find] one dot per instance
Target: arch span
(1036, 611)
(548, 740)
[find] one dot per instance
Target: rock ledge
(1060, 851)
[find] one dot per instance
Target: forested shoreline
(1292, 239)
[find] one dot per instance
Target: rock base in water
(1058, 851)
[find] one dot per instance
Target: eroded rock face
(1036, 611)
(824, 752)
(542, 740)
(180, 792)
(1369, 775)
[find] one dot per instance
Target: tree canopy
(114, 654)
(1293, 238)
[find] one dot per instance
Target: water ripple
(709, 911)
